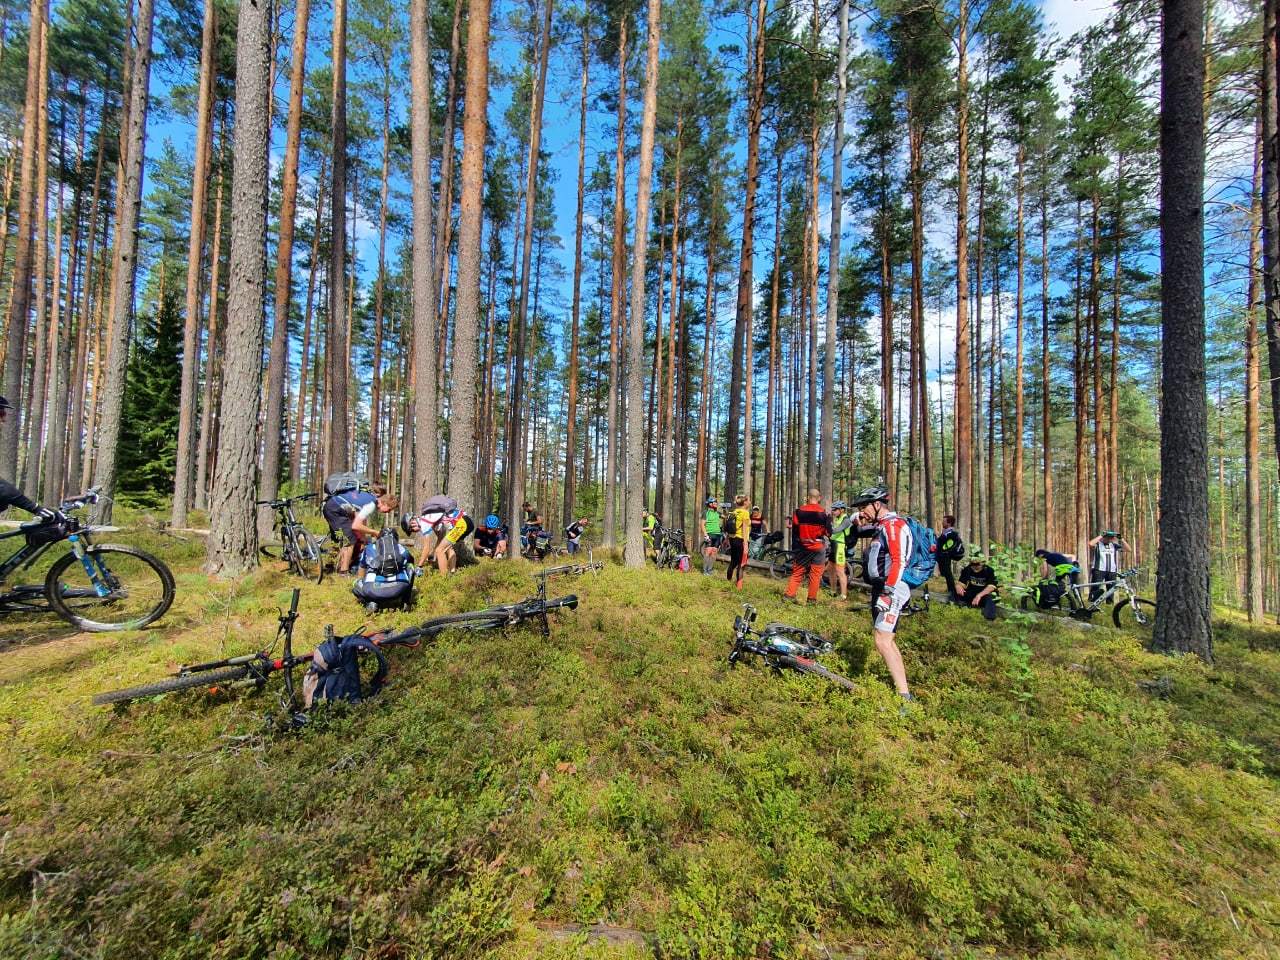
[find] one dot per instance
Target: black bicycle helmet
(408, 523)
(5, 404)
(871, 495)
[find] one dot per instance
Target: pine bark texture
(462, 394)
(426, 468)
(233, 540)
(1183, 616)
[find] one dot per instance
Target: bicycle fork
(95, 568)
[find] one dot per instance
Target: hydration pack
(334, 673)
(1047, 594)
(344, 482)
(385, 556)
(924, 554)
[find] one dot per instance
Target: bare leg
(888, 649)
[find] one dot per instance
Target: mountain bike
(298, 545)
(96, 587)
(670, 548)
(254, 668)
(1128, 611)
(782, 647)
(592, 567)
(535, 543)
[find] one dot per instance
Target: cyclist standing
(712, 535)
(573, 534)
(738, 540)
(837, 553)
(11, 496)
(810, 527)
(886, 561)
(1105, 561)
(649, 524)
(950, 549)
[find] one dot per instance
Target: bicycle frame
(1076, 592)
(769, 646)
(28, 598)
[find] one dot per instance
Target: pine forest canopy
(940, 268)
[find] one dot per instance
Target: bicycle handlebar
(284, 502)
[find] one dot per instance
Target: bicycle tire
(60, 593)
(186, 681)
(779, 567)
(272, 551)
(307, 559)
(1135, 616)
(813, 668)
(472, 620)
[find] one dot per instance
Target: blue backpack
(334, 673)
(924, 554)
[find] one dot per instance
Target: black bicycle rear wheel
(813, 668)
(186, 681)
(779, 565)
(474, 620)
(1135, 616)
(308, 559)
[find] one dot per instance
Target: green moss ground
(1041, 802)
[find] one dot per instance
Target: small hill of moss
(616, 790)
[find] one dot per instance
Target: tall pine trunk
(616, 298)
(426, 469)
(184, 457)
(1252, 483)
(274, 424)
(633, 550)
(963, 445)
(571, 412)
(125, 268)
(826, 481)
(462, 414)
(337, 351)
(233, 540)
(1183, 616)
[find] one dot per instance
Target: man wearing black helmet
(886, 563)
(11, 496)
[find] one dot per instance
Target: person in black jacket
(977, 586)
(11, 496)
(950, 549)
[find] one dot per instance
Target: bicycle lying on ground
(255, 668)
(782, 647)
(592, 566)
(1128, 611)
(93, 586)
(298, 545)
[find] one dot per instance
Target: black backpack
(334, 673)
(951, 546)
(344, 482)
(387, 556)
(730, 524)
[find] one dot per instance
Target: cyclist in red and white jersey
(886, 561)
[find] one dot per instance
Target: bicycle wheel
(813, 668)
(307, 557)
(186, 681)
(113, 588)
(1136, 616)
(473, 620)
(779, 566)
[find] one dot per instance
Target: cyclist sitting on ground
(340, 511)
(491, 538)
(573, 534)
(886, 561)
(977, 585)
(1105, 562)
(1061, 567)
(712, 535)
(11, 496)
(837, 553)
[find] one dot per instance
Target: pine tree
(149, 417)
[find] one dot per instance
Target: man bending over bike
(340, 512)
(886, 562)
(450, 528)
(1061, 567)
(11, 496)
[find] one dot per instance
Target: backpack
(729, 525)
(334, 673)
(344, 482)
(440, 503)
(1047, 594)
(924, 554)
(951, 547)
(385, 556)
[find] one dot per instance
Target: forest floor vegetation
(618, 791)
